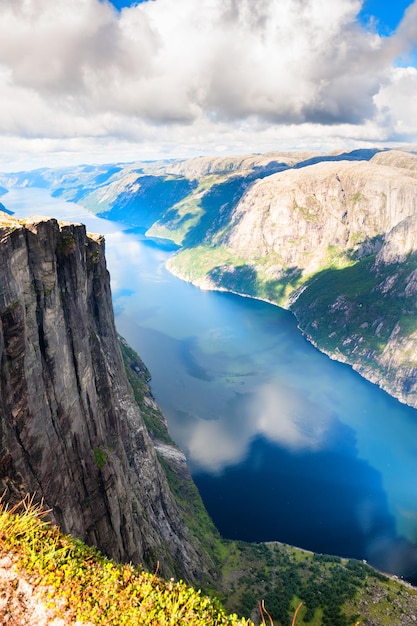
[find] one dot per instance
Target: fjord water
(283, 443)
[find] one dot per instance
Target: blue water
(283, 443)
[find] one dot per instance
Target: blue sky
(121, 4)
(387, 13)
(159, 78)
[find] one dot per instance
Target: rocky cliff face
(336, 243)
(303, 216)
(69, 426)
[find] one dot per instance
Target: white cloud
(397, 103)
(164, 72)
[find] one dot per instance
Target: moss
(139, 376)
(94, 258)
(356, 197)
(12, 306)
(66, 245)
(100, 456)
(195, 514)
(200, 261)
(352, 309)
(311, 212)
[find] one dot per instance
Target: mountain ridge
(277, 226)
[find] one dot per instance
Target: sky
(90, 81)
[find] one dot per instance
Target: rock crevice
(70, 428)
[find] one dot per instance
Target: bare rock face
(321, 221)
(335, 242)
(199, 167)
(70, 429)
(302, 216)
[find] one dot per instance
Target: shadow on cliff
(364, 154)
(355, 301)
(244, 279)
(147, 198)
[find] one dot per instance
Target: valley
(341, 293)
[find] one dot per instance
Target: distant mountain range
(330, 236)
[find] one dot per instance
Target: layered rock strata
(69, 426)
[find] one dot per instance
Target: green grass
(196, 263)
(333, 590)
(194, 513)
(100, 457)
(351, 310)
(78, 582)
(180, 219)
(330, 588)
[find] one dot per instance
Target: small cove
(283, 443)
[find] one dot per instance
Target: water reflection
(283, 443)
(330, 502)
(280, 415)
(262, 415)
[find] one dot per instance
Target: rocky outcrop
(332, 237)
(336, 243)
(201, 167)
(69, 426)
(304, 216)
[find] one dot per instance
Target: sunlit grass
(80, 583)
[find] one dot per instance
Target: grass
(195, 263)
(78, 582)
(181, 218)
(333, 590)
(354, 303)
(284, 577)
(100, 457)
(194, 512)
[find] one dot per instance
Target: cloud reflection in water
(278, 413)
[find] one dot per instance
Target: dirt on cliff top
(20, 604)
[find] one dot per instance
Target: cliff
(329, 236)
(70, 428)
(335, 242)
(72, 432)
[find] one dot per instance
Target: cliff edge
(70, 428)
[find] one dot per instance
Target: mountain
(329, 236)
(71, 430)
(335, 243)
(80, 429)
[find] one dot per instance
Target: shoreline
(367, 374)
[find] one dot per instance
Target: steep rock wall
(300, 215)
(69, 426)
(336, 242)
